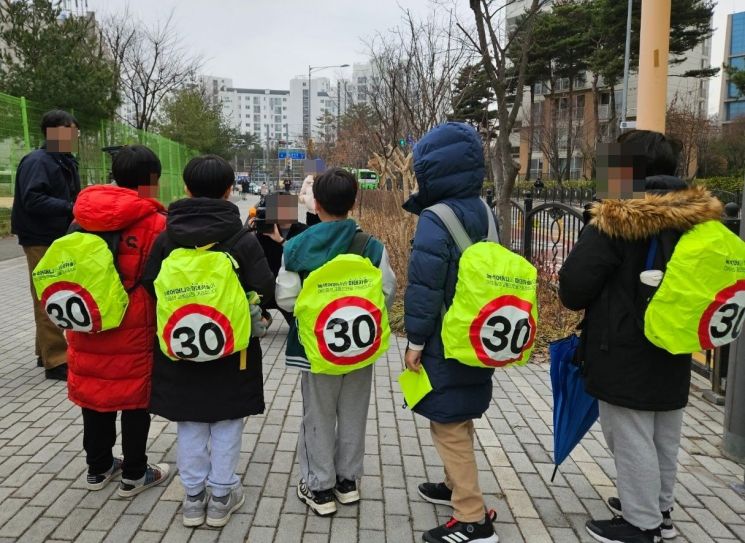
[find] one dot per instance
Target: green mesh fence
(20, 133)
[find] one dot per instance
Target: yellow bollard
(654, 49)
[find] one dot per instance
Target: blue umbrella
(575, 411)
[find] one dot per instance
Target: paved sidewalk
(42, 466)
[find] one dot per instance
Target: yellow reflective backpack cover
(79, 286)
(700, 303)
(202, 309)
(341, 315)
(493, 319)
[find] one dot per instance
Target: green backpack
(493, 319)
(79, 285)
(202, 309)
(700, 303)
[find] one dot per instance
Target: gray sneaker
(220, 509)
(193, 509)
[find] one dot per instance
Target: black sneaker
(58, 373)
(346, 492)
(322, 502)
(436, 493)
(667, 529)
(96, 481)
(618, 530)
(39, 363)
(454, 531)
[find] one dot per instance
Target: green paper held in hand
(415, 386)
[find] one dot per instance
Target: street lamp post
(312, 69)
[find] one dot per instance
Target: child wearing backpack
(338, 282)
(109, 371)
(207, 374)
(641, 387)
(449, 166)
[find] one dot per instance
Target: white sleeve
(389, 280)
(287, 289)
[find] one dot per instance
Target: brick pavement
(42, 466)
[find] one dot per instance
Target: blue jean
(208, 455)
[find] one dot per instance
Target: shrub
(729, 184)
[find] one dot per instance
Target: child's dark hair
(135, 166)
(208, 176)
(659, 153)
(335, 190)
(55, 118)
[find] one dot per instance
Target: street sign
(628, 125)
(293, 154)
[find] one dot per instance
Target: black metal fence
(545, 233)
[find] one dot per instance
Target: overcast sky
(264, 43)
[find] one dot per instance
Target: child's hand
(258, 324)
(413, 360)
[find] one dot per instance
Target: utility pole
(626, 62)
(654, 50)
(734, 405)
(266, 161)
(338, 107)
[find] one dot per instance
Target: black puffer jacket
(47, 185)
(216, 390)
(601, 275)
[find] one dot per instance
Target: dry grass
(380, 214)
(554, 320)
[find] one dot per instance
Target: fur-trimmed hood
(643, 218)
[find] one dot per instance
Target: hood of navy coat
(449, 164)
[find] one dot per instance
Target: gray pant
(645, 448)
(331, 442)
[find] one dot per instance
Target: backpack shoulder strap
(227, 245)
(359, 243)
(493, 234)
(453, 225)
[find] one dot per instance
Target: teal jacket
(309, 251)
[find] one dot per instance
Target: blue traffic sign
(294, 154)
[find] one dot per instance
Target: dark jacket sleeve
(154, 262)
(427, 275)
(254, 268)
(586, 270)
(35, 188)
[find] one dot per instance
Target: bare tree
(507, 78)
(691, 126)
(415, 67)
(153, 62)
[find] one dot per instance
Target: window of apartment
(735, 110)
(257, 109)
(256, 99)
(581, 80)
(539, 88)
(257, 118)
(536, 167)
(737, 41)
(278, 118)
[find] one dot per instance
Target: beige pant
(454, 444)
(50, 340)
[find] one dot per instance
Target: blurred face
(281, 209)
(620, 172)
(62, 139)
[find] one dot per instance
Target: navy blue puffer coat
(449, 167)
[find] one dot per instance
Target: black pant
(99, 436)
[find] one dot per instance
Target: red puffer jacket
(110, 371)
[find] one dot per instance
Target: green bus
(367, 179)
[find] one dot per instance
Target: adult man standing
(47, 183)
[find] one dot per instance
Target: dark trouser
(99, 436)
(51, 346)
